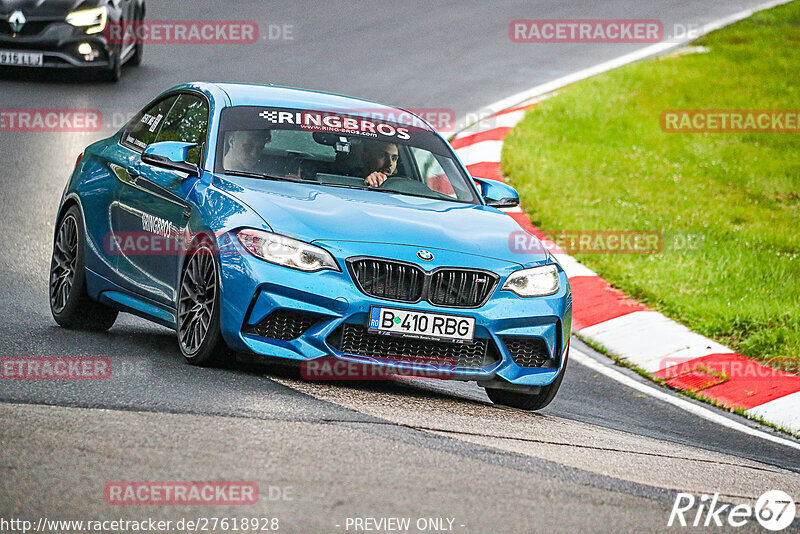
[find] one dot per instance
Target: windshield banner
(365, 123)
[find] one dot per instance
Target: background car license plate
(413, 323)
(21, 59)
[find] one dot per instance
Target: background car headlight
(533, 282)
(286, 251)
(94, 20)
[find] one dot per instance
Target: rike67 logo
(774, 510)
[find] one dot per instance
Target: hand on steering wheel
(375, 179)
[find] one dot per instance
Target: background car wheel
(528, 401)
(69, 303)
(199, 334)
(114, 72)
(136, 58)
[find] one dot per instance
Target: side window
(433, 175)
(187, 122)
(143, 129)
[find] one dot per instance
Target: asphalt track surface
(602, 457)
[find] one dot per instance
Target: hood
(45, 9)
(323, 213)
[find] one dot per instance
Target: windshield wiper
(246, 174)
(441, 196)
(263, 176)
(358, 187)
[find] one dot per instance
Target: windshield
(341, 150)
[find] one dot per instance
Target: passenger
(243, 149)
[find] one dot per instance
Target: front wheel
(528, 401)
(69, 303)
(199, 334)
(138, 52)
(114, 71)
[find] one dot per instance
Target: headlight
(94, 20)
(282, 250)
(533, 282)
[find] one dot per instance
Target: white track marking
(652, 341)
(660, 394)
(783, 411)
(573, 268)
(486, 124)
(515, 209)
(482, 152)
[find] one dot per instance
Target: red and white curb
(632, 331)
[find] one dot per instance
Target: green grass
(594, 157)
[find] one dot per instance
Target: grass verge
(594, 157)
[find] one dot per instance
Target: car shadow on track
(422, 389)
(135, 348)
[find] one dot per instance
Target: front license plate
(412, 323)
(21, 59)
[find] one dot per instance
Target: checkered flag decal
(271, 116)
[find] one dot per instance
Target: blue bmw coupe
(308, 226)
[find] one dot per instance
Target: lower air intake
(357, 340)
(283, 324)
(529, 351)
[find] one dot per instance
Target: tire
(199, 335)
(138, 52)
(528, 401)
(136, 58)
(114, 72)
(69, 303)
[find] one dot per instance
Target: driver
(380, 162)
(243, 149)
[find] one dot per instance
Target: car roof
(245, 94)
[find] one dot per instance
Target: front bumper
(253, 289)
(58, 42)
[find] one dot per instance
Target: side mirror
(170, 155)
(497, 194)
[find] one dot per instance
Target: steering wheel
(403, 184)
(395, 180)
